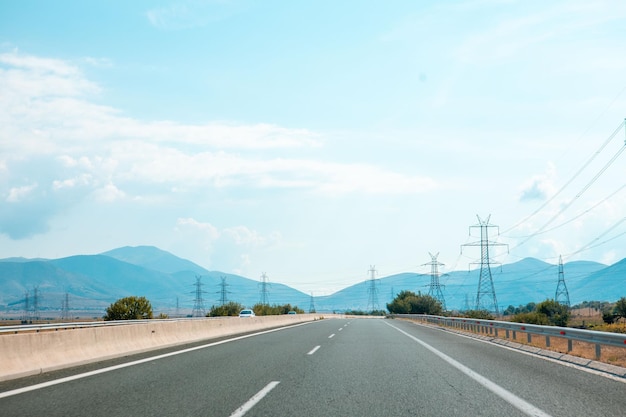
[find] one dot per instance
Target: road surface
(332, 367)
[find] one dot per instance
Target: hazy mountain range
(90, 283)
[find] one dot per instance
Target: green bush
(548, 312)
(275, 310)
(231, 308)
(129, 308)
(407, 302)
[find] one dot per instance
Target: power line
(585, 165)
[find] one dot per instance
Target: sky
(314, 140)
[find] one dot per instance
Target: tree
(407, 302)
(231, 308)
(620, 307)
(129, 308)
(557, 313)
(547, 312)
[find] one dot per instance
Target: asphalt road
(333, 367)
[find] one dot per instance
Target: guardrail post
(569, 345)
(514, 335)
(529, 337)
(547, 341)
(507, 333)
(598, 351)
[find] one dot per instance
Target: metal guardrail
(493, 327)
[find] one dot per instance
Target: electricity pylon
(372, 291)
(264, 291)
(435, 286)
(486, 294)
(561, 296)
(198, 302)
(312, 305)
(223, 291)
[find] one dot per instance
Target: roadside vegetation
(275, 310)
(407, 302)
(129, 308)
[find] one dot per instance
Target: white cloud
(192, 13)
(17, 194)
(539, 187)
(109, 193)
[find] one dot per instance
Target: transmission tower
(36, 303)
(486, 294)
(65, 307)
(435, 287)
(264, 289)
(372, 291)
(561, 296)
(312, 305)
(223, 291)
(26, 306)
(198, 302)
(466, 307)
(177, 308)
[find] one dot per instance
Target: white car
(246, 313)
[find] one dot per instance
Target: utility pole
(561, 296)
(223, 292)
(264, 291)
(435, 286)
(198, 302)
(486, 294)
(372, 291)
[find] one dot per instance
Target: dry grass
(608, 354)
(612, 355)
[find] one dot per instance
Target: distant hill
(151, 257)
(92, 282)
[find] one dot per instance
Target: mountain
(91, 282)
(151, 257)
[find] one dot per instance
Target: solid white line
(313, 350)
(254, 400)
(508, 396)
(137, 362)
(331, 336)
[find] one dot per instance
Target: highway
(331, 367)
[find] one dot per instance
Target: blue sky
(312, 139)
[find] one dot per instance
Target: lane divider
(241, 411)
(314, 350)
(331, 336)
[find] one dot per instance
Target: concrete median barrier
(25, 354)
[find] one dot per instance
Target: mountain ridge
(169, 282)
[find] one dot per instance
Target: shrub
(407, 302)
(129, 308)
(229, 309)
